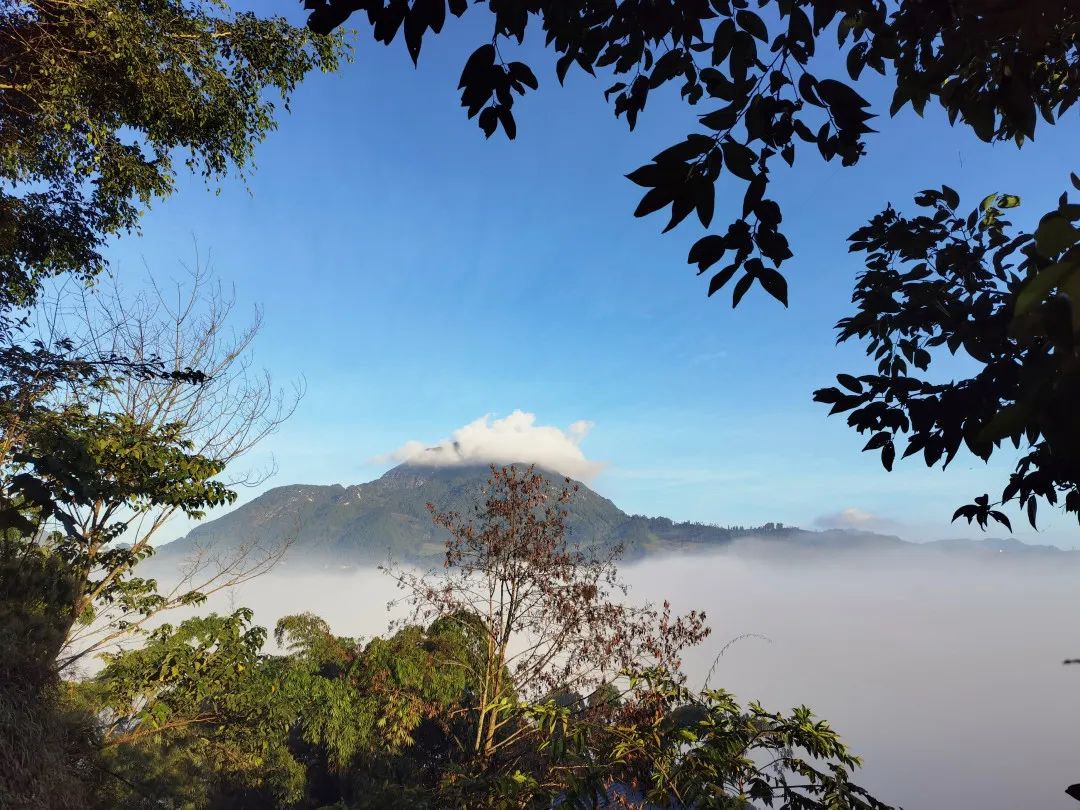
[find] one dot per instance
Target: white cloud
(515, 438)
(854, 518)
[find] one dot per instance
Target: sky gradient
(419, 278)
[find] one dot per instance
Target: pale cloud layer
(908, 659)
(515, 438)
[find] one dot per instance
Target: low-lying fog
(945, 674)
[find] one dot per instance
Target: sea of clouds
(945, 675)
(944, 672)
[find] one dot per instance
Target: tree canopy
(100, 103)
(944, 281)
(100, 99)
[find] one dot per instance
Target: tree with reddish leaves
(551, 623)
(580, 699)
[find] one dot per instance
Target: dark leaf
(523, 73)
(878, 440)
(721, 278)
(807, 89)
(752, 24)
(681, 206)
(653, 200)
(827, 395)
(615, 88)
(850, 382)
(1036, 289)
(722, 119)
(775, 284)
(855, 62)
(899, 99)
(694, 146)
(888, 455)
(707, 251)
(739, 159)
(489, 121)
(754, 191)
(952, 199)
(1001, 518)
(506, 118)
(741, 286)
(563, 65)
(651, 175)
(838, 94)
(1054, 234)
(722, 40)
(704, 200)
(483, 57)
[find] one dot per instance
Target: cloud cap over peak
(854, 518)
(515, 438)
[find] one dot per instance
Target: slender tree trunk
(484, 697)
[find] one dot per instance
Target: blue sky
(419, 277)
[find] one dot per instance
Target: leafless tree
(185, 327)
(547, 607)
(189, 325)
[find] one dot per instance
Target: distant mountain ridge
(366, 523)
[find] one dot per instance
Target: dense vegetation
(548, 693)
(106, 430)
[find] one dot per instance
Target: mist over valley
(931, 659)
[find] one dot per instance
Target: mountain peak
(365, 522)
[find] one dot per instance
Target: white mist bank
(948, 681)
(945, 675)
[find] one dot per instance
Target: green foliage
(308, 638)
(105, 96)
(192, 674)
(216, 722)
(75, 458)
(48, 755)
(667, 746)
(995, 68)
(36, 592)
(73, 482)
(1008, 301)
(201, 717)
(374, 708)
(98, 102)
(46, 747)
